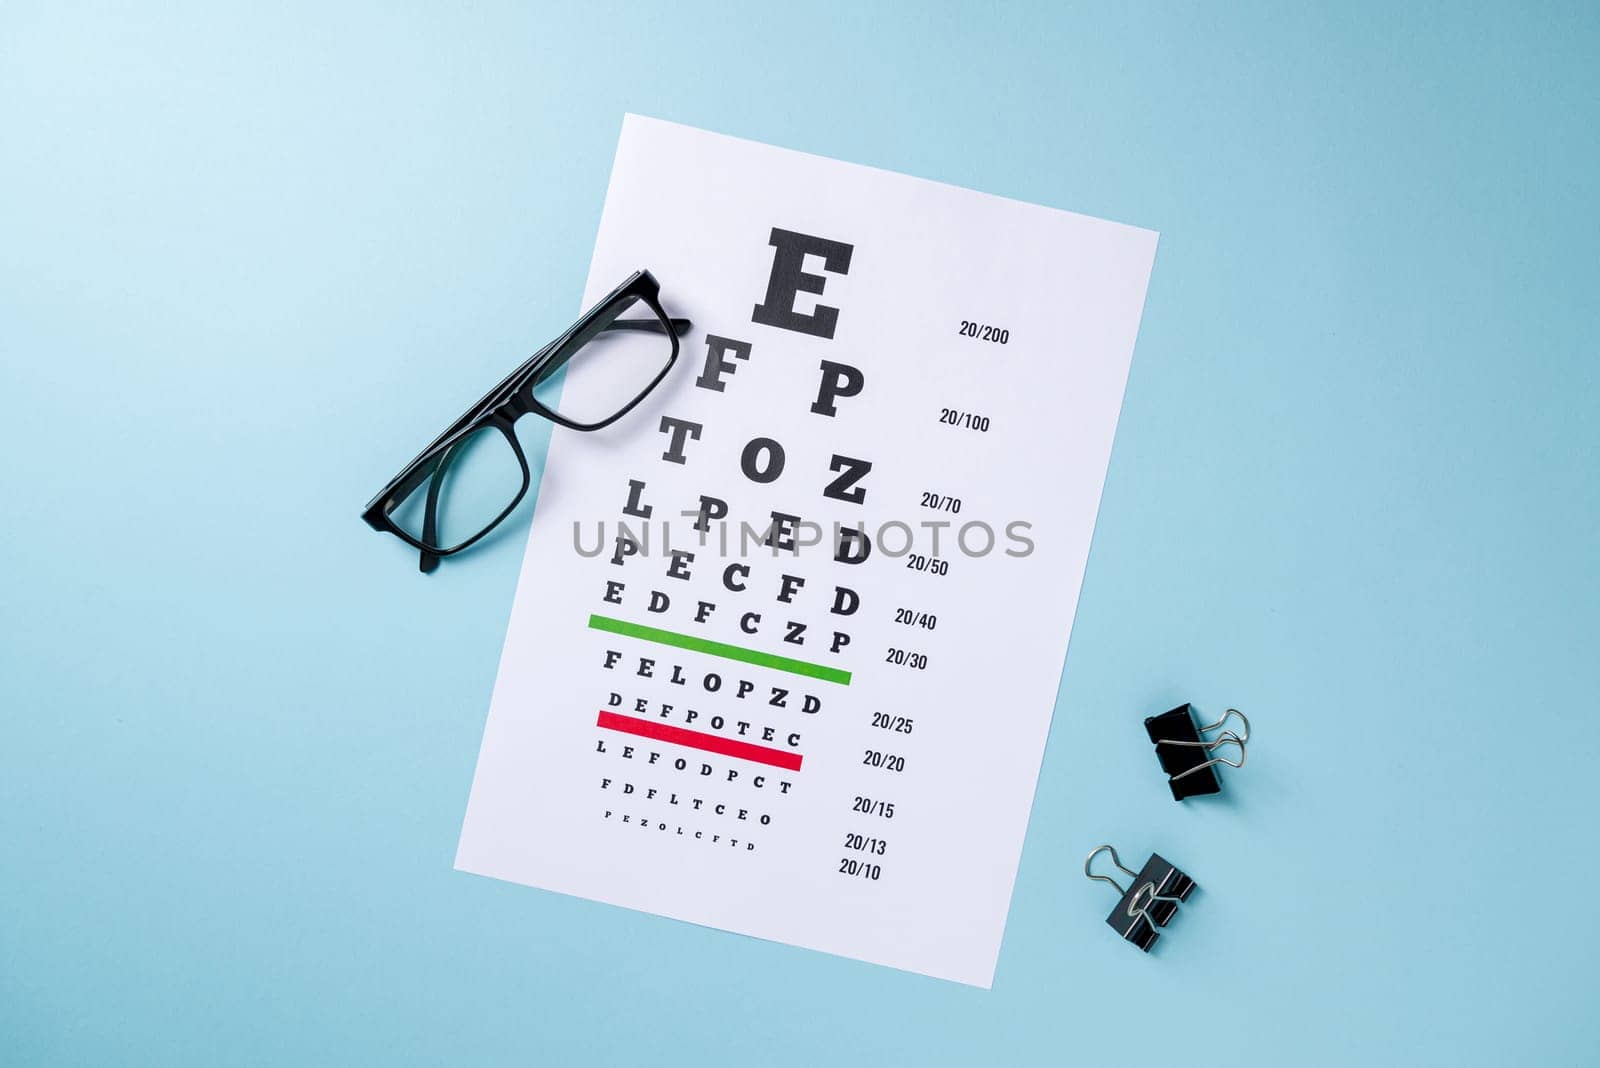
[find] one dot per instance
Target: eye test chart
(787, 637)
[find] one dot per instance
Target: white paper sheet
(877, 809)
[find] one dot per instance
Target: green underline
(722, 649)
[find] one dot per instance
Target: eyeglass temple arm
(679, 326)
(430, 514)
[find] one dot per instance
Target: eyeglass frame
(513, 398)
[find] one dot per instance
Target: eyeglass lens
(611, 371)
(472, 483)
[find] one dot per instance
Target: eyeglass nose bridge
(519, 404)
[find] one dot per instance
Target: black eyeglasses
(475, 473)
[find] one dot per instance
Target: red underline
(711, 743)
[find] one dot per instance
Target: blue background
(251, 259)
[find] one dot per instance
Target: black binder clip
(1185, 752)
(1150, 901)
